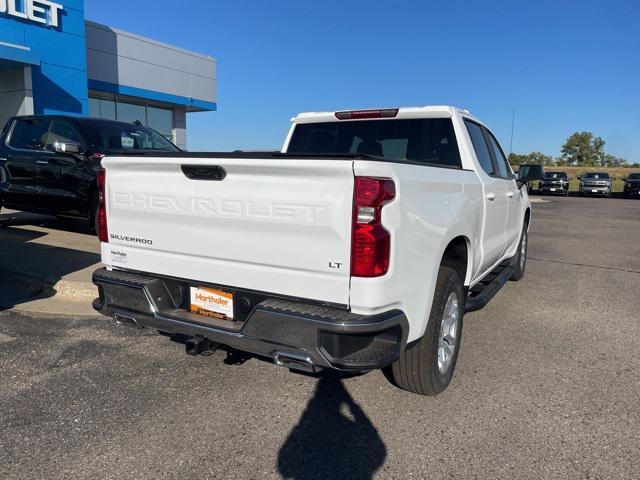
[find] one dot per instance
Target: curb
(62, 289)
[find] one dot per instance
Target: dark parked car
(48, 163)
(554, 182)
(595, 183)
(632, 186)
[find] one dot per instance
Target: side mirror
(529, 174)
(70, 148)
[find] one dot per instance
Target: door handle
(42, 162)
(491, 196)
(510, 194)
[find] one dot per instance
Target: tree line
(582, 149)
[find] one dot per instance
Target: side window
(501, 160)
(480, 146)
(29, 134)
(62, 131)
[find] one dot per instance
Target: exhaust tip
(121, 319)
(293, 361)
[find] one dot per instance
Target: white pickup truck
(359, 246)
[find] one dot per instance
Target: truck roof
(434, 111)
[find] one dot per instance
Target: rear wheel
(521, 256)
(426, 366)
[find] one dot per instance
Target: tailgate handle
(204, 172)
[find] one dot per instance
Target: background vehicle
(554, 182)
(50, 162)
(359, 246)
(595, 183)
(632, 186)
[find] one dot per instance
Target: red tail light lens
(103, 233)
(370, 241)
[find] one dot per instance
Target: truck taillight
(370, 241)
(103, 234)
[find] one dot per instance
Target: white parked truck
(359, 246)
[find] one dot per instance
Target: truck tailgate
(281, 226)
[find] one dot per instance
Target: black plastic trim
(204, 172)
(274, 326)
(482, 297)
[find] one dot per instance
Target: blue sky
(564, 65)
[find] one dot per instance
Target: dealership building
(53, 61)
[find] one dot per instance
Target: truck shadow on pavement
(333, 440)
(31, 265)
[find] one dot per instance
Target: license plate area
(211, 302)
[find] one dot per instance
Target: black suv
(632, 186)
(554, 182)
(48, 163)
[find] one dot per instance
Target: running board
(483, 292)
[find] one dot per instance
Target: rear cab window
(122, 137)
(61, 131)
(430, 141)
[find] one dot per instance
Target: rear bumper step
(294, 334)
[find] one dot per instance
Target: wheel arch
(457, 254)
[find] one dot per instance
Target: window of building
(131, 113)
(101, 108)
(160, 119)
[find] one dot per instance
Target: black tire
(93, 213)
(417, 368)
(521, 256)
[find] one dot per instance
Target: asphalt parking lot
(547, 386)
